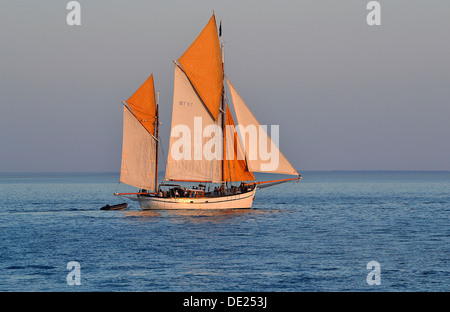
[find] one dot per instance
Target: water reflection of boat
(190, 215)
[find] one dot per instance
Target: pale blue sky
(347, 96)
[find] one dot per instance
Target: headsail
(235, 165)
(202, 63)
(138, 154)
(252, 151)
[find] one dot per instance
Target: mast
(224, 150)
(199, 91)
(157, 140)
(223, 108)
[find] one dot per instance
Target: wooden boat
(121, 206)
(206, 147)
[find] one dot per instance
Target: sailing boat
(206, 146)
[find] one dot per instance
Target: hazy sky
(347, 96)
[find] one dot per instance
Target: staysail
(138, 167)
(258, 141)
(236, 168)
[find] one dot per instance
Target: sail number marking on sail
(185, 103)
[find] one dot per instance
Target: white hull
(239, 201)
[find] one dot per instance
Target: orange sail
(202, 63)
(138, 154)
(143, 104)
(235, 165)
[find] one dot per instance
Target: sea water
(316, 235)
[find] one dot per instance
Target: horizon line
(330, 170)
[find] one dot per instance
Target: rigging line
(138, 120)
(117, 187)
(195, 90)
(226, 154)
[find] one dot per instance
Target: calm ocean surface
(316, 235)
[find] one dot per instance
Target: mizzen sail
(143, 104)
(138, 167)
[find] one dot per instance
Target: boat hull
(239, 201)
(115, 207)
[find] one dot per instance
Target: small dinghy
(115, 207)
